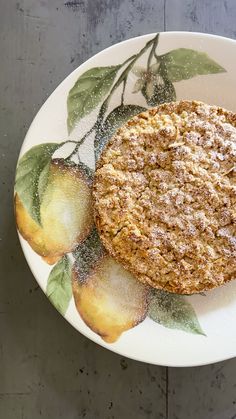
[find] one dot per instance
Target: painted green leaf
(88, 253)
(43, 180)
(160, 93)
(173, 311)
(59, 290)
(114, 120)
(88, 91)
(182, 64)
(32, 175)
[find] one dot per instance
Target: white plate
(199, 66)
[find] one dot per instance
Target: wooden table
(47, 369)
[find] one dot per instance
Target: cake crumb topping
(165, 195)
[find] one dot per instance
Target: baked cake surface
(165, 194)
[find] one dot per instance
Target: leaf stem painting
(53, 203)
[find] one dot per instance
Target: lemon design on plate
(65, 213)
(109, 300)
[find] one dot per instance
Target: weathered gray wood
(47, 369)
(206, 392)
(211, 16)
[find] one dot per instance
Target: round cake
(165, 194)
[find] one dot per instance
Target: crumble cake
(165, 194)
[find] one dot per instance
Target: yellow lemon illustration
(110, 300)
(65, 213)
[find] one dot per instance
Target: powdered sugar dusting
(181, 179)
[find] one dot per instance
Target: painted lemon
(65, 212)
(110, 300)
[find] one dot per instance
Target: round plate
(54, 209)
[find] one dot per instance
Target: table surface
(48, 370)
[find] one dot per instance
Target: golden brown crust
(165, 194)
